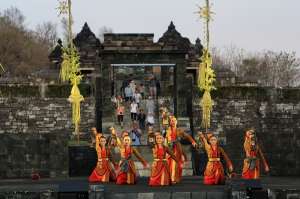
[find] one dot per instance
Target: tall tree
(46, 33)
(20, 51)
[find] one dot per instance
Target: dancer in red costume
(127, 173)
(214, 172)
(172, 141)
(160, 172)
(104, 171)
(251, 168)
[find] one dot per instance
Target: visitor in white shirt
(137, 97)
(133, 110)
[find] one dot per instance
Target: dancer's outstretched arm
(139, 157)
(263, 159)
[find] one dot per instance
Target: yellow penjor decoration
(70, 66)
(206, 73)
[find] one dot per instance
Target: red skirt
(160, 174)
(128, 177)
(176, 167)
(102, 173)
(251, 173)
(214, 174)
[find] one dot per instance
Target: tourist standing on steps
(164, 120)
(132, 86)
(120, 114)
(133, 110)
(152, 86)
(128, 93)
(151, 136)
(142, 90)
(150, 119)
(122, 89)
(150, 105)
(142, 119)
(135, 135)
(137, 97)
(119, 100)
(157, 84)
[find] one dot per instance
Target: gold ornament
(206, 76)
(70, 67)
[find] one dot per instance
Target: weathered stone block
(198, 195)
(162, 195)
(121, 196)
(145, 195)
(181, 195)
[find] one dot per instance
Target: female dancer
(127, 174)
(172, 141)
(251, 168)
(214, 172)
(104, 170)
(160, 172)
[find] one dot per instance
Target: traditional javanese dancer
(172, 141)
(95, 137)
(127, 173)
(251, 168)
(160, 171)
(104, 171)
(214, 172)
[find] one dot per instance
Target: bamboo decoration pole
(70, 67)
(206, 76)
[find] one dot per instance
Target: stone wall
(274, 113)
(36, 115)
(35, 127)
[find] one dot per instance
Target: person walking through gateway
(120, 114)
(142, 119)
(128, 93)
(133, 110)
(135, 135)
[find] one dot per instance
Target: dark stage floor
(188, 184)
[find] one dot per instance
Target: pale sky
(254, 25)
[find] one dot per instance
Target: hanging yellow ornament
(206, 76)
(75, 98)
(70, 67)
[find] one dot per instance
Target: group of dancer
(169, 158)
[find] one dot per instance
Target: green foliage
(22, 51)
(70, 66)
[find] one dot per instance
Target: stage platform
(190, 188)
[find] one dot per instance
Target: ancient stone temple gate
(140, 50)
(99, 59)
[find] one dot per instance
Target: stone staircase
(144, 149)
(146, 153)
